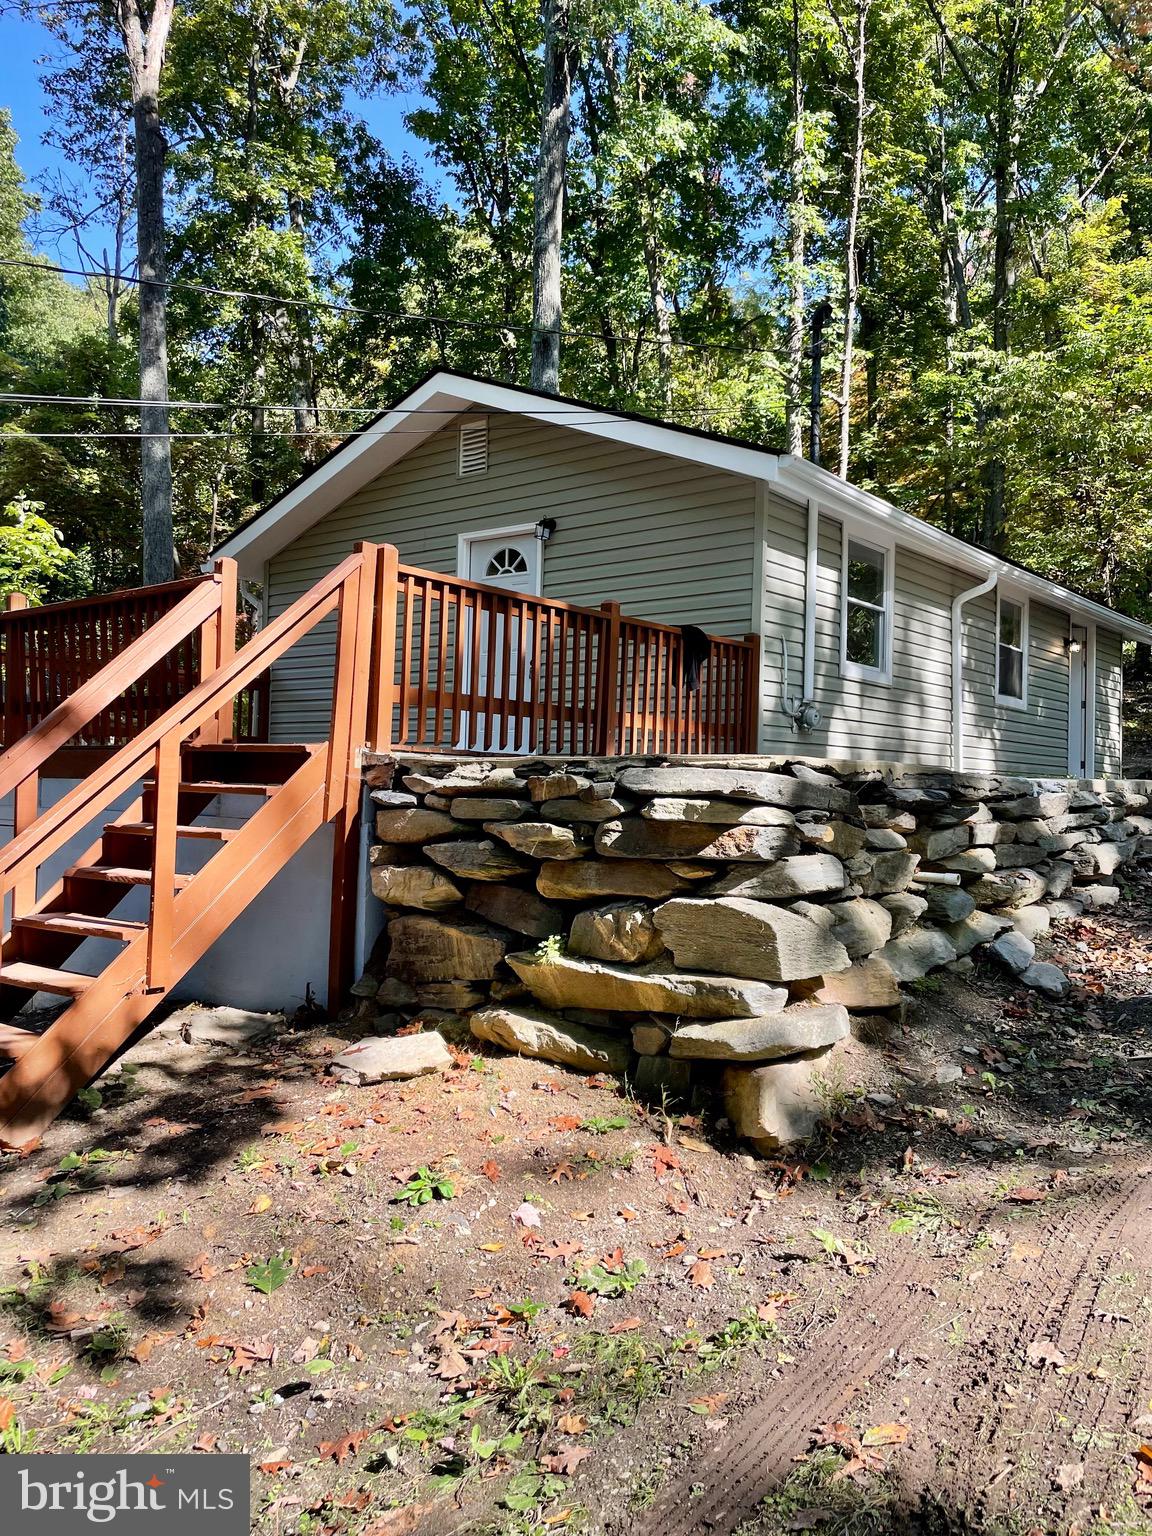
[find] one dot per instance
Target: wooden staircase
(184, 872)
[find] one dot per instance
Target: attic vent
(474, 447)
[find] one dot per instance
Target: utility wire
(402, 316)
(15, 399)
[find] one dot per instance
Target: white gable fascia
(434, 404)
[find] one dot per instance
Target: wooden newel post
(609, 682)
(228, 577)
(15, 681)
(383, 695)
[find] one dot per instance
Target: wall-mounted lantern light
(545, 528)
(1072, 646)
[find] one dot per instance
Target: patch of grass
(600, 1125)
(917, 1213)
(602, 1281)
(748, 1331)
(847, 1508)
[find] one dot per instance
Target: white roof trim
(435, 402)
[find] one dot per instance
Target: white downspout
(808, 677)
(958, 603)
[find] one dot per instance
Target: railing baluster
(164, 820)
(381, 733)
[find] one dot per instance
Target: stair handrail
(75, 810)
(71, 715)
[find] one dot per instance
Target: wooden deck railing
(462, 666)
(48, 653)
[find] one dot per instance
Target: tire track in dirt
(990, 1430)
(990, 1401)
(878, 1322)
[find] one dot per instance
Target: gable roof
(443, 395)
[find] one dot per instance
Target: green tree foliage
(997, 175)
(32, 553)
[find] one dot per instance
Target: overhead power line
(399, 316)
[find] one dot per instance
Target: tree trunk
(1005, 175)
(551, 180)
(654, 264)
(794, 381)
(851, 256)
(145, 47)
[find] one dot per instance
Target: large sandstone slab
(787, 1033)
(918, 951)
(690, 781)
(513, 907)
(905, 908)
(635, 838)
(948, 903)
(563, 981)
(539, 839)
(481, 859)
(442, 949)
(880, 874)
(389, 1058)
(782, 1102)
(728, 813)
(622, 932)
(408, 824)
(1008, 888)
(977, 928)
(581, 811)
(413, 885)
(860, 925)
(591, 879)
(473, 778)
(736, 936)
(802, 874)
(866, 984)
(529, 1032)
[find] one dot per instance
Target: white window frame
(1018, 600)
(887, 547)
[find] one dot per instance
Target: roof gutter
(958, 603)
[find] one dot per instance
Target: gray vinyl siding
(783, 528)
(1033, 740)
(1109, 703)
(909, 719)
(669, 540)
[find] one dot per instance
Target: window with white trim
(1011, 649)
(866, 610)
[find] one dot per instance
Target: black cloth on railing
(697, 647)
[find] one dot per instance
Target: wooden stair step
(81, 925)
(118, 874)
(147, 828)
(43, 978)
(215, 787)
(15, 1041)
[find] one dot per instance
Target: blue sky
(25, 41)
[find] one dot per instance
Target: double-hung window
(866, 610)
(1011, 650)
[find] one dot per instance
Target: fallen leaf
(885, 1434)
(581, 1303)
(526, 1215)
(341, 1449)
(626, 1325)
(452, 1365)
(7, 1413)
(565, 1122)
(701, 1275)
(1069, 1475)
(261, 1203)
(571, 1424)
(1044, 1352)
(1026, 1195)
(710, 1404)
(274, 1468)
(664, 1160)
(491, 1171)
(310, 1270)
(566, 1461)
(204, 1442)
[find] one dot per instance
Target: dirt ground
(514, 1300)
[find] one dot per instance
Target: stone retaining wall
(711, 928)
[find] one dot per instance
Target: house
(881, 637)
(482, 570)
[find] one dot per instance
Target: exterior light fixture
(545, 528)
(1072, 646)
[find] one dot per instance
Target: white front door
(1078, 703)
(510, 559)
